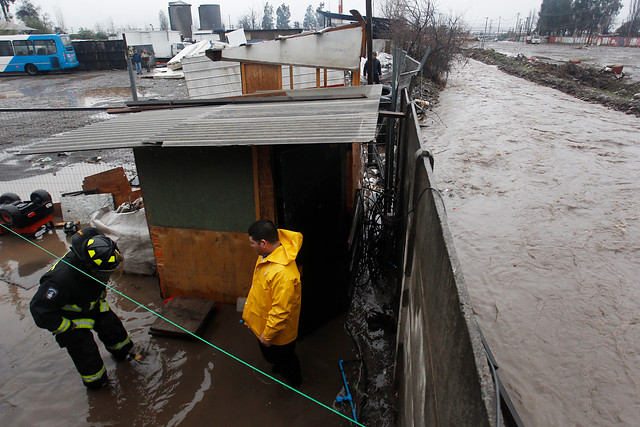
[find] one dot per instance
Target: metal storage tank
(180, 18)
(210, 18)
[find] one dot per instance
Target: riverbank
(579, 80)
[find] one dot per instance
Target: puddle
(179, 381)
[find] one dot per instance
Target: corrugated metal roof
(288, 122)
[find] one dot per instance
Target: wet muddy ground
(180, 381)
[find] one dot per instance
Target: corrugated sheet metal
(297, 121)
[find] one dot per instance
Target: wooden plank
(203, 264)
(113, 181)
(266, 191)
(259, 77)
(190, 313)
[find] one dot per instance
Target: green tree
(593, 17)
(267, 17)
(555, 18)
(319, 16)
(310, 22)
(283, 14)
(32, 17)
(5, 8)
(84, 34)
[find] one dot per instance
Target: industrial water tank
(180, 18)
(210, 18)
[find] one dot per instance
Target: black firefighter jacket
(66, 294)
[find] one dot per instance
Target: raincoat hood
(290, 244)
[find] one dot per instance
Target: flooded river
(543, 199)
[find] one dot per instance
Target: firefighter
(70, 302)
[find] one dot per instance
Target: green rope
(189, 332)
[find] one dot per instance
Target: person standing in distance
(272, 309)
(377, 68)
(70, 302)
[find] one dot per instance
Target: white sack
(130, 232)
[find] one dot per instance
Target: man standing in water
(70, 302)
(272, 310)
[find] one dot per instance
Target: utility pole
(499, 19)
(517, 26)
(369, 40)
(484, 35)
(490, 26)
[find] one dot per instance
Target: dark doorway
(310, 184)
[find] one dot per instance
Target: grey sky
(143, 13)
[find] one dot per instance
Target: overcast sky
(143, 13)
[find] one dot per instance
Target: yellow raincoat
(273, 303)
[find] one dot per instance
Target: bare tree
(60, 27)
(631, 26)
(5, 8)
(250, 20)
(416, 26)
(164, 21)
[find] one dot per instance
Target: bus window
(5, 48)
(23, 47)
(66, 41)
(45, 47)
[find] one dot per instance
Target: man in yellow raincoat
(272, 309)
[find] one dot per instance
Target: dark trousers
(284, 361)
(84, 352)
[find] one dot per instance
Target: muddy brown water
(179, 382)
(543, 200)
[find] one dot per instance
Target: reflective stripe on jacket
(273, 303)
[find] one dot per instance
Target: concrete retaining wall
(442, 371)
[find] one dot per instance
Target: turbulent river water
(543, 199)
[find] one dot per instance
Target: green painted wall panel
(206, 188)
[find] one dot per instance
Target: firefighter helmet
(96, 250)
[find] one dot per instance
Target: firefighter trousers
(82, 348)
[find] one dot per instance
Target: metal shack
(208, 172)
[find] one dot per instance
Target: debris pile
(591, 84)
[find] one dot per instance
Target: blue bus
(36, 52)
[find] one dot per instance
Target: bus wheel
(31, 69)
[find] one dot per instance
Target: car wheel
(40, 196)
(7, 198)
(9, 214)
(31, 69)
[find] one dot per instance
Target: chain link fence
(57, 173)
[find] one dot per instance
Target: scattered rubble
(585, 82)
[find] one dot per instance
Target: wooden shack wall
(199, 203)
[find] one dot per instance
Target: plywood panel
(257, 77)
(203, 264)
(113, 181)
(190, 313)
